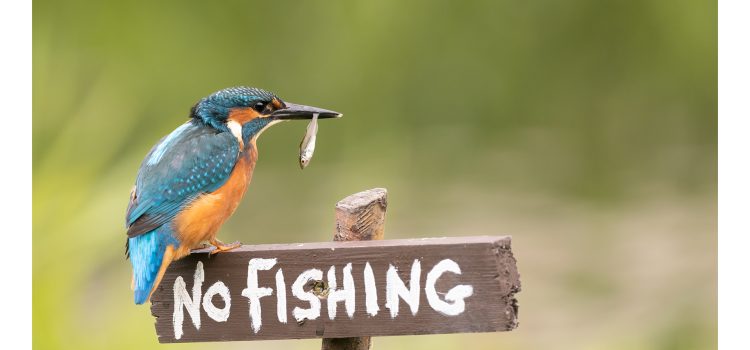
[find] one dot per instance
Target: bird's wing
(192, 160)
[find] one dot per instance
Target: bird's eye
(259, 107)
(268, 109)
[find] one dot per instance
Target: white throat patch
(236, 129)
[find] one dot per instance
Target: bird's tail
(146, 255)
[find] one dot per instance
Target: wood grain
(486, 262)
(361, 216)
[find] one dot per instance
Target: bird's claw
(221, 247)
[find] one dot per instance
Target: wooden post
(359, 217)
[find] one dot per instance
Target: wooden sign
(340, 289)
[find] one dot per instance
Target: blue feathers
(196, 160)
(254, 127)
(146, 253)
(214, 109)
(164, 144)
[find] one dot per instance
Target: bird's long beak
(295, 111)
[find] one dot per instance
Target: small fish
(307, 146)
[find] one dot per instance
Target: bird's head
(247, 112)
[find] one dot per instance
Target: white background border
(15, 142)
(734, 174)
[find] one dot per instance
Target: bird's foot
(221, 247)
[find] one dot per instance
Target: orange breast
(201, 220)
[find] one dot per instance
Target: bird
(194, 178)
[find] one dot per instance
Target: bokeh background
(584, 128)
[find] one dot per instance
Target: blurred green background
(585, 128)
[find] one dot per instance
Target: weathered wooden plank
(486, 264)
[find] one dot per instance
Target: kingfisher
(193, 179)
